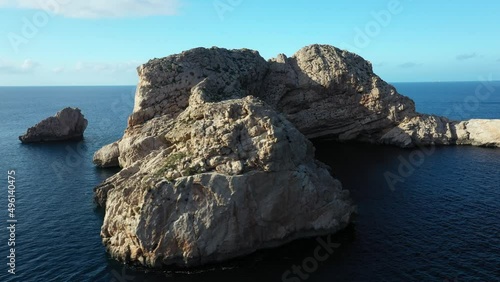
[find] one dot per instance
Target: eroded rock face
(330, 93)
(322, 90)
(479, 132)
(67, 125)
(434, 130)
(165, 84)
(223, 179)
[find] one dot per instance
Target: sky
(95, 42)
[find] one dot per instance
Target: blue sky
(94, 42)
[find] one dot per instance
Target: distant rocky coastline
(216, 158)
(68, 124)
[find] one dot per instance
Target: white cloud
(98, 8)
(28, 65)
(58, 69)
(79, 66)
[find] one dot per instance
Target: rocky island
(216, 161)
(68, 124)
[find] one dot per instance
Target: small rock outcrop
(107, 156)
(434, 130)
(67, 125)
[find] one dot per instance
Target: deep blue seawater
(439, 221)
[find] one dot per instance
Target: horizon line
(127, 85)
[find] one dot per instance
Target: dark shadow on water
(432, 226)
(264, 265)
(271, 264)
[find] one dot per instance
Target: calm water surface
(440, 222)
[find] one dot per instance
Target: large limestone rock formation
(216, 161)
(221, 179)
(324, 91)
(67, 125)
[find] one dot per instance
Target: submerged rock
(67, 125)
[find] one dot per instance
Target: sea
(429, 214)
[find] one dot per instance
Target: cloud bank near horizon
(94, 9)
(9, 67)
